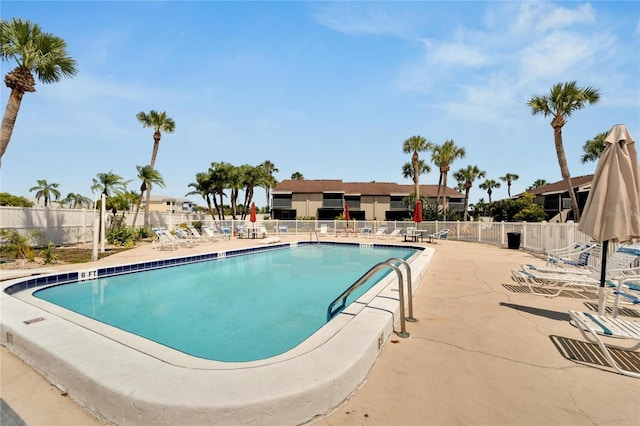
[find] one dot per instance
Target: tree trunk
(439, 188)
(416, 174)
(146, 207)
(557, 124)
(156, 145)
(9, 119)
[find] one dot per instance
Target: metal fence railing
(72, 226)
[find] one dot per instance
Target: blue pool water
(236, 309)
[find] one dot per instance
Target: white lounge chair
(395, 233)
(596, 328)
(184, 238)
(365, 232)
(380, 233)
(262, 232)
(226, 232)
(164, 241)
(211, 233)
(440, 235)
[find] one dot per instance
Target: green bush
(14, 242)
(47, 254)
(121, 236)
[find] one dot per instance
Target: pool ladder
(342, 299)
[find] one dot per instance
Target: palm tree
(443, 155)
(148, 176)
(35, 52)
(509, 178)
(203, 187)
(413, 146)
(46, 190)
(160, 123)
(75, 201)
(109, 182)
(269, 182)
(297, 176)
(538, 183)
(467, 176)
(562, 100)
(593, 148)
(488, 185)
(251, 177)
(220, 177)
(407, 169)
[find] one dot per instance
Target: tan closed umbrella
(612, 211)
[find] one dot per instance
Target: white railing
(72, 226)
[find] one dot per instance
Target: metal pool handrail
(331, 313)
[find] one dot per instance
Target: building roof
(163, 198)
(579, 182)
(356, 188)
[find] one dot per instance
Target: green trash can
(513, 240)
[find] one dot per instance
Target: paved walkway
(483, 352)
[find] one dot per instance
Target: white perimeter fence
(74, 226)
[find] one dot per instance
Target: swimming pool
(240, 308)
(124, 379)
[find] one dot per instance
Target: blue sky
(327, 89)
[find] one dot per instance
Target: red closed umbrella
(417, 213)
(346, 213)
(252, 217)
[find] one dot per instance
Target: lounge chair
(576, 255)
(380, 233)
(365, 232)
(324, 230)
(184, 238)
(596, 328)
(226, 232)
(197, 235)
(164, 241)
(261, 232)
(210, 233)
(282, 229)
(562, 281)
(440, 235)
(395, 233)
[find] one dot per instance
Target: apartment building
(326, 199)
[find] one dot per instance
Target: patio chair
(576, 255)
(395, 233)
(380, 233)
(440, 235)
(226, 232)
(164, 241)
(262, 232)
(282, 229)
(184, 238)
(210, 233)
(596, 328)
(366, 232)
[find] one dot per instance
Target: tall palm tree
(107, 183)
(35, 52)
(561, 101)
(160, 124)
(251, 177)
(488, 185)
(297, 176)
(442, 156)
(509, 178)
(413, 146)
(46, 190)
(269, 182)
(220, 175)
(467, 177)
(148, 176)
(593, 148)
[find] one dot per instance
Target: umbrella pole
(603, 276)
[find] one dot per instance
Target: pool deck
(483, 351)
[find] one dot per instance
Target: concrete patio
(483, 351)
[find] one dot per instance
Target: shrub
(14, 242)
(121, 236)
(47, 254)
